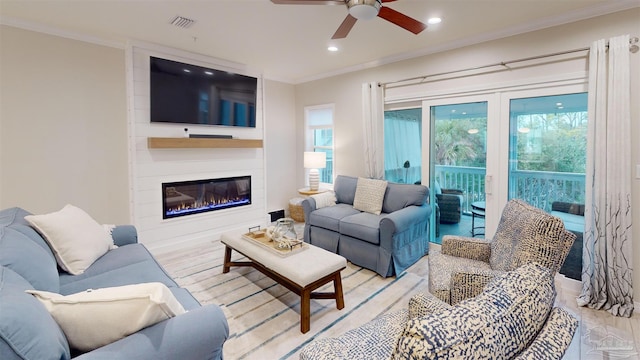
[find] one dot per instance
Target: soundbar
(210, 136)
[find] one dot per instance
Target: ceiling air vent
(182, 22)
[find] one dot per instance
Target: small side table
(309, 192)
(477, 210)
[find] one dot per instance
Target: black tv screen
(188, 94)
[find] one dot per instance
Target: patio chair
(449, 202)
(525, 234)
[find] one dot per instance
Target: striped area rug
(264, 317)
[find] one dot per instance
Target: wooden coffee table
(301, 272)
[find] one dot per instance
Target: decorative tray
(260, 237)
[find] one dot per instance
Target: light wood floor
(600, 334)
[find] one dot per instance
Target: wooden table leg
(227, 260)
(337, 287)
(305, 310)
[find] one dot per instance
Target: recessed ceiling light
(434, 20)
(332, 48)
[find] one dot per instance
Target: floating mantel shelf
(200, 143)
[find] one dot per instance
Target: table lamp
(314, 161)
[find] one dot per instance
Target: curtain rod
(633, 47)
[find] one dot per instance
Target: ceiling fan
(363, 10)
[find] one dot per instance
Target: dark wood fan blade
(345, 27)
(402, 20)
(308, 2)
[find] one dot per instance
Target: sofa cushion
(497, 324)
(345, 189)
(94, 318)
(440, 281)
(369, 195)
(185, 298)
(76, 239)
(399, 196)
(329, 217)
(26, 328)
(363, 226)
(522, 227)
(24, 256)
(14, 218)
(126, 265)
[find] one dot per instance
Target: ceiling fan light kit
(364, 9)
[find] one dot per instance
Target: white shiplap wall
(149, 168)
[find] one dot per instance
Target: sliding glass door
(547, 161)
(457, 156)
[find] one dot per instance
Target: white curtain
(402, 142)
(373, 117)
(607, 253)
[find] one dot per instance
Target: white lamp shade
(315, 160)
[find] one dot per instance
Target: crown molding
(49, 30)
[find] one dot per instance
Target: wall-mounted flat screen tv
(189, 94)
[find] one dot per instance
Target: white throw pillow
(75, 238)
(369, 195)
(95, 318)
(325, 199)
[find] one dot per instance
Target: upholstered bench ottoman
(301, 272)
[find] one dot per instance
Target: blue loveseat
(387, 243)
(27, 330)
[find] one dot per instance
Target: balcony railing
(542, 188)
(468, 179)
(538, 188)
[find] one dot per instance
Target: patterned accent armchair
(513, 318)
(525, 234)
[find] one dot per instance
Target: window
(319, 136)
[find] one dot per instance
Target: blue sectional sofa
(28, 331)
(386, 243)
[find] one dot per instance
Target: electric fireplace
(197, 196)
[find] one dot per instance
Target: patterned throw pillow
(497, 324)
(369, 195)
